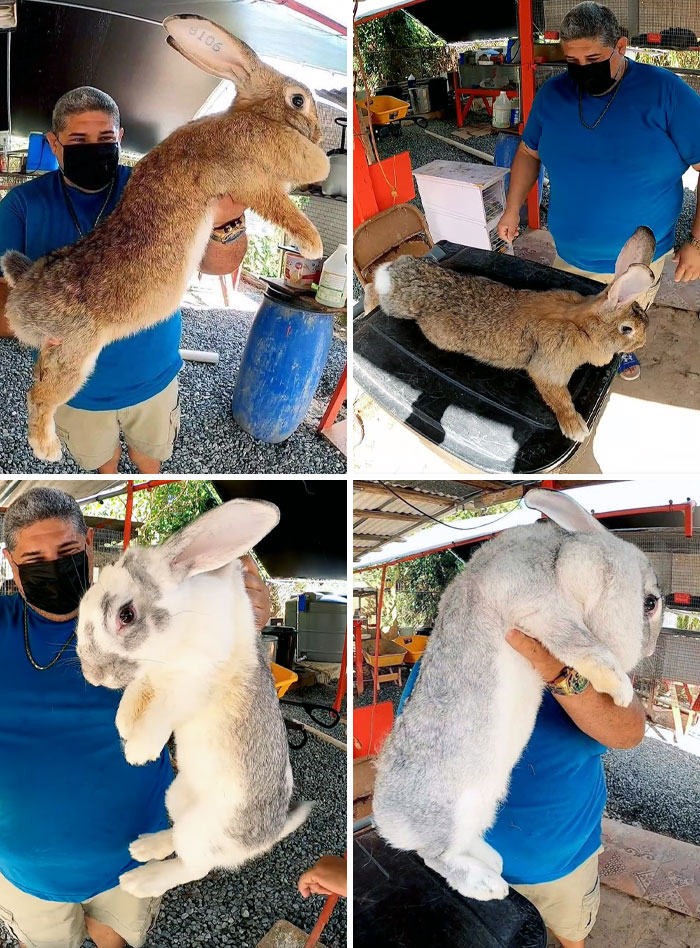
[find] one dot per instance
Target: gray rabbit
(173, 625)
(589, 597)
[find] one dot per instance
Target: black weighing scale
(492, 419)
(399, 902)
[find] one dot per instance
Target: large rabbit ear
(638, 249)
(210, 47)
(563, 510)
(219, 536)
(631, 285)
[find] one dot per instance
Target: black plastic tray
(399, 902)
(492, 419)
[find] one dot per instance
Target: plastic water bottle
(501, 111)
(332, 287)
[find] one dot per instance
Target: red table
(477, 93)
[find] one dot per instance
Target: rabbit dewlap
(547, 333)
(590, 598)
(131, 271)
(174, 627)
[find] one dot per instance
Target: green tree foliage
(413, 589)
(397, 45)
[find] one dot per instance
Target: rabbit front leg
(60, 373)
(136, 698)
(150, 731)
(303, 162)
(558, 398)
(574, 647)
(276, 207)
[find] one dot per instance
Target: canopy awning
(455, 24)
(119, 46)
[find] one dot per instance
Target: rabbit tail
(14, 265)
(388, 284)
(296, 815)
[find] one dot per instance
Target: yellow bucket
(284, 678)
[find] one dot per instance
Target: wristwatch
(694, 242)
(567, 682)
(230, 231)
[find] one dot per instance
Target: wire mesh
(107, 546)
(555, 11)
(329, 216)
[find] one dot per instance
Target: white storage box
(463, 202)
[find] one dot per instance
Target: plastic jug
(501, 111)
(332, 287)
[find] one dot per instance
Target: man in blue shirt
(133, 388)
(616, 137)
(548, 829)
(69, 802)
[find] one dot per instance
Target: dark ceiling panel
(58, 47)
(310, 539)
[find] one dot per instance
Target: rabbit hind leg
(155, 878)
(470, 876)
(60, 373)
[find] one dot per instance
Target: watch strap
(567, 682)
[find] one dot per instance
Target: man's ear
(13, 566)
(120, 135)
(90, 550)
(54, 144)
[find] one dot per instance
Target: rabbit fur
(131, 271)
(547, 333)
(191, 663)
(580, 591)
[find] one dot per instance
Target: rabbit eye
(127, 614)
(298, 101)
(650, 603)
(626, 330)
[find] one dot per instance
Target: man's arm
(593, 713)
(219, 257)
(523, 175)
(687, 259)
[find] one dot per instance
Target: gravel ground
(655, 786)
(209, 441)
(237, 909)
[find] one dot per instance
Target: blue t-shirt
(627, 172)
(550, 822)
(69, 802)
(35, 220)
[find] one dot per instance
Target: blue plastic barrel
(506, 147)
(282, 364)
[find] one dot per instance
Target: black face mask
(594, 78)
(56, 586)
(91, 167)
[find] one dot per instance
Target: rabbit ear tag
(563, 510)
(210, 47)
(220, 536)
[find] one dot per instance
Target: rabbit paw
(311, 247)
(45, 448)
(140, 750)
(152, 846)
(482, 885)
(146, 882)
(574, 427)
(623, 695)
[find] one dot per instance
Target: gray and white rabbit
(589, 597)
(173, 625)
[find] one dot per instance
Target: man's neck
(52, 617)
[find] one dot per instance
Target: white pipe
(471, 151)
(196, 355)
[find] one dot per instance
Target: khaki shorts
(150, 427)
(40, 924)
(569, 905)
(656, 267)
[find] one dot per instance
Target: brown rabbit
(132, 270)
(547, 333)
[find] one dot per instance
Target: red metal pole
(342, 681)
(380, 604)
(527, 93)
(129, 511)
(359, 674)
(336, 401)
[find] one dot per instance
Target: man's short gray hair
(83, 99)
(590, 21)
(40, 503)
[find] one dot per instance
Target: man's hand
(257, 592)
(688, 264)
(509, 225)
(327, 877)
(541, 660)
